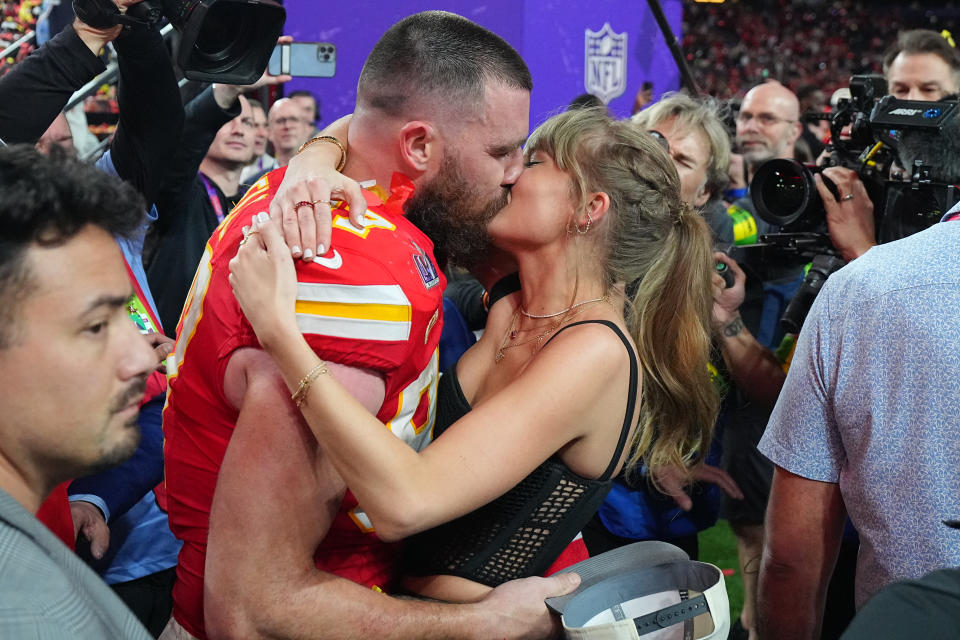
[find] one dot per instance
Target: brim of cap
(606, 610)
(631, 557)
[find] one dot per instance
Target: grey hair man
(699, 143)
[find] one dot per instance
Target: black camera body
(228, 41)
(866, 131)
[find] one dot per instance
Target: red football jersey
(374, 301)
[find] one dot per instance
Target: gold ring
(247, 236)
(849, 196)
(329, 203)
(302, 203)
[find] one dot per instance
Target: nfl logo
(427, 271)
(605, 66)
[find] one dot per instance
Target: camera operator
(767, 127)
(867, 423)
(922, 65)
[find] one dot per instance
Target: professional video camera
(228, 41)
(866, 131)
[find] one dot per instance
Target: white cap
(646, 589)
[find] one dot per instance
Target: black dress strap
(632, 393)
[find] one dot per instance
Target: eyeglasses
(289, 120)
(660, 138)
(763, 119)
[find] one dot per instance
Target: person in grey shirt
(73, 370)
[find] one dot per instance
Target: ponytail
(670, 322)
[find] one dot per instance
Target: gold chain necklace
(512, 332)
(562, 311)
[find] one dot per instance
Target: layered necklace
(561, 317)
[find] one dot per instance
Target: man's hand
(97, 39)
(671, 481)
(517, 609)
(311, 178)
(88, 520)
(727, 300)
(162, 346)
(849, 220)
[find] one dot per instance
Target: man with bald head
(287, 129)
(768, 124)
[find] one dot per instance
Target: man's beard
(454, 215)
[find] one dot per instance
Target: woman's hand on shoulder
(311, 183)
(264, 281)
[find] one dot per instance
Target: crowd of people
(17, 19)
(731, 47)
(249, 393)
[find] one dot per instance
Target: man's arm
(151, 113)
(203, 117)
(35, 91)
(753, 367)
(804, 526)
(276, 496)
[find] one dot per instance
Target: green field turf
(718, 547)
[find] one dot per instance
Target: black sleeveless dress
(522, 532)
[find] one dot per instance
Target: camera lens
(228, 41)
(783, 191)
(224, 34)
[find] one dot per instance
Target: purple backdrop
(550, 35)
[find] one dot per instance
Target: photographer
(867, 423)
(922, 65)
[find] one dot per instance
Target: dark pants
(149, 598)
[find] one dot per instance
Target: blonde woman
(572, 379)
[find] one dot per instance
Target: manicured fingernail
(321, 250)
(295, 249)
(245, 230)
(307, 254)
(263, 217)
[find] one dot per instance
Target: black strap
(686, 610)
(632, 397)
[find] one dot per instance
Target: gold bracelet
(332, 140)
(300, 395)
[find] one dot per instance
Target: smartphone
(304, 59)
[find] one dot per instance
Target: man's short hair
(440, 56)
(707, 114)
(924, 41)
(255, 103)
(45, 201)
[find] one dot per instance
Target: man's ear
(702, 197)
(797, 130)
(419, 146)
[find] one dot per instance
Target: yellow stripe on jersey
(397, 313)
(362, 312)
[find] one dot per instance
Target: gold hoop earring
(586, 228)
